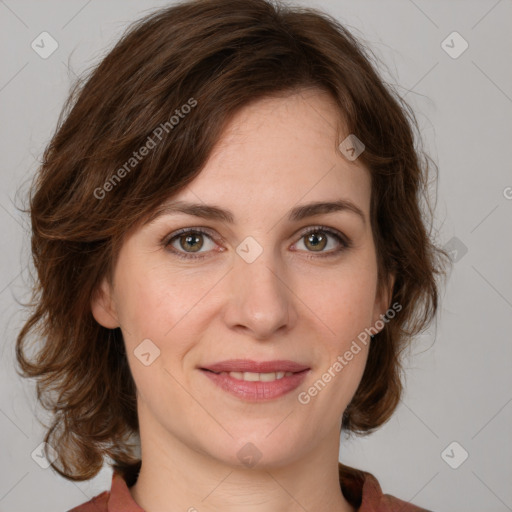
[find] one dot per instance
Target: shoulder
(96, 504)
(117, 499)
(363, 491)
(374, 500)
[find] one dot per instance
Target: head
(241, 105)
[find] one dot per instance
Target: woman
(231, 257)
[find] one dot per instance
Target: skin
(275, 154)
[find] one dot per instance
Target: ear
(383, 298)
(103, 307)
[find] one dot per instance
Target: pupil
(319, 239)
(190, 240)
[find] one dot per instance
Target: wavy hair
(222, 54)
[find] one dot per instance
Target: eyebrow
(213, 212)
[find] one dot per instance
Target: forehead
(280, 151)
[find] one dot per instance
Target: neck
(175, 477)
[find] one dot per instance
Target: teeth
(250, 376)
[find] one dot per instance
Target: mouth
(256, 381)
(255, 376)
(250, 366)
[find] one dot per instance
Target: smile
(256, 387)
(253, 377)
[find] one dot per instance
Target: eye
(188, 243)
(316, 239)
(186, 240)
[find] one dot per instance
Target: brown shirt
(360, 488)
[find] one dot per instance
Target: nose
(260, 297)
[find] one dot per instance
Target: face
(262, 286)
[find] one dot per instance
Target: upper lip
(246, 365)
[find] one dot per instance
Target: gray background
(458, 373)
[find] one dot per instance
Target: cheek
(154, 300)
(342, 300)
(155, 308)
(169, 308)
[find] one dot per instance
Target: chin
(261, 449)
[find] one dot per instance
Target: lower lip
(257, 390)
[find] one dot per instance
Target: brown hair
(222, 55)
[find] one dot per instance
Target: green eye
(188, 242)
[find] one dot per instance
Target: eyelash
(345, 242)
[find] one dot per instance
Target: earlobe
(103, 307)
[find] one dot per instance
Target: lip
(255, 391)
(247, 365)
